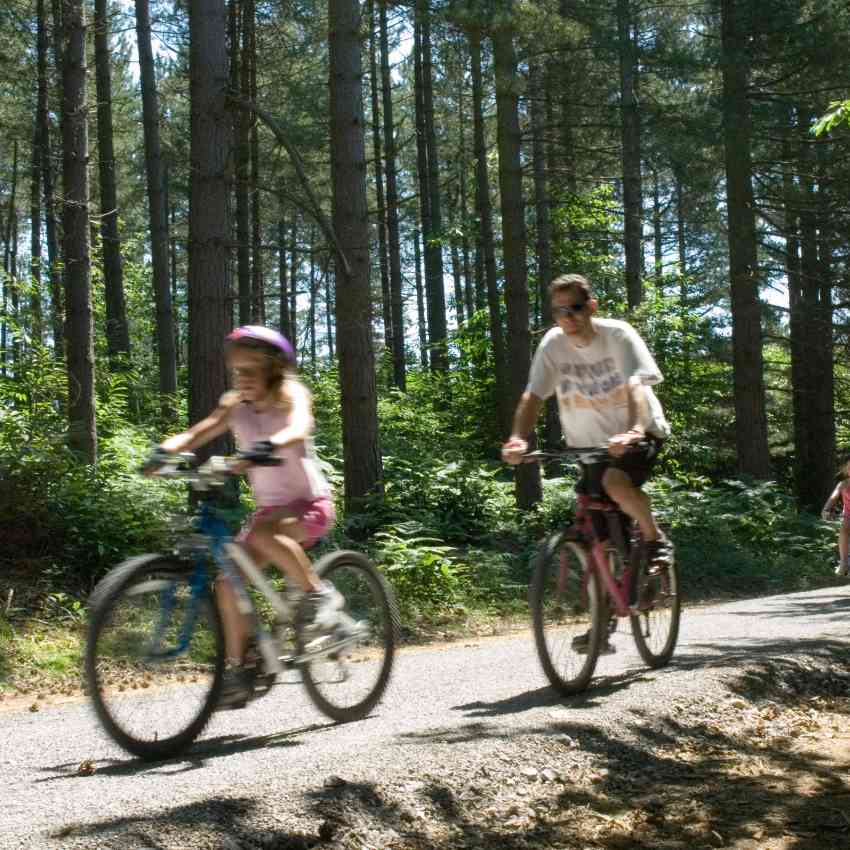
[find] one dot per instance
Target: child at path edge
(841, 492)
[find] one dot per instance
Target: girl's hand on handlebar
(260, 454)
(513, 450)
(158, 458)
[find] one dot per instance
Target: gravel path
(276, 774)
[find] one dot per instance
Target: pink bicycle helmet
(272, 338)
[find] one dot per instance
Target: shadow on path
(197, 757)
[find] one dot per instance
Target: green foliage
(64, 518)
(583, 240)
(692, 356)
(739, 538)
(423, 574)
(838, 114)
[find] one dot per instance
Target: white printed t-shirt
(591, 382)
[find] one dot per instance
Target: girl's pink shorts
(315, 516)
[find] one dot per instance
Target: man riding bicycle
(601, 371)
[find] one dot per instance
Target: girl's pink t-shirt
(297, 478)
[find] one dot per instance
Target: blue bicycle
(155, 650)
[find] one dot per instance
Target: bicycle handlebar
(575, 451)
(215, 471)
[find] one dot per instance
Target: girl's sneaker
(237, 687)
(325, 604)
(841, 569)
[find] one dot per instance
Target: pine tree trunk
(824, 427)
(630, 128)
(10, 283)
(243, 162)
(797, 323)
(684, 305)
(810, 298)
(434, 280)
(681, 238)
(457, 277)
(394, 245)
(172, 246)
(383, 260)
(657, 235)
(293, 282)
(117, 329)
(750, 403)
(313, 291)
(463, 201)
(486, 244)
(209, 224)
(37, 319)
(57, 309)
(527, 478)
(361, 451)
(258, 303)
(568, 82)
(542, 206)
(282, 269)
(329, 311)
(158, 213)
(82, 425)
(537, 96)
(422, 168)
(422, 319)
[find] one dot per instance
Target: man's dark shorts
(637, 464)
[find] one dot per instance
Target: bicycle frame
(234, 562)
(596, 550)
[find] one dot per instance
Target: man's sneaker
(841, 569)
(325, 603)
(659, 553)
(237, 687)
(581, 643)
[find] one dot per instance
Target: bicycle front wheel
(655, 626)
(346, 672)
(567, 609)
(154, 655)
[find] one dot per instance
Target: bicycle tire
(565, 596)
(654, 592)
(368, 598)
(129, 683)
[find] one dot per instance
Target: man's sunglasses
(569, 309)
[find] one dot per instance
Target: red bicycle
(588, 576)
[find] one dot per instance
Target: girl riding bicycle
(269, 411)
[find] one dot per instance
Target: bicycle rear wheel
(346, 674)
(568, 613)
(655, 628)
(154, 655)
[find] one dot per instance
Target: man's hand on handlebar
(619, 444)
(513, 450)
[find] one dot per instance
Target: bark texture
(361, 451)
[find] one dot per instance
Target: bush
(73, 522)
(738, 538)
(420, 568)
